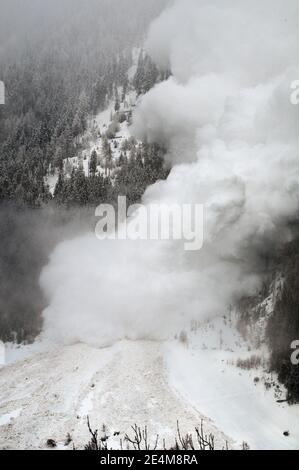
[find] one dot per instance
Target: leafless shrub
(206, 442)
(95, 443)
(68, 440)
(138, 439)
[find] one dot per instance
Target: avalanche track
(52, 393)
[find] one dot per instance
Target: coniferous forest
(58, 76)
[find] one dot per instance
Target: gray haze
(60, 24)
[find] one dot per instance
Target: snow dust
(231, 132)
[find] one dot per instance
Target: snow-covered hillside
(104, 125)
(50, 395)
(99, 128)
(203, 374)
(211, 372)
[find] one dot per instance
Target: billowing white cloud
(225, 116)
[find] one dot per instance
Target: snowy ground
(50, 395)
(47, 392)
(205, 374)
(100, 126)
(97, 128)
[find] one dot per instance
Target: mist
(231, 132)
(51, 53)
(28, 236)
(64, 24)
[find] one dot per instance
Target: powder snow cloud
(233, 143)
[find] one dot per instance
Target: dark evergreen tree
(93, 163)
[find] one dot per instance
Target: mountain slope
(51, 394)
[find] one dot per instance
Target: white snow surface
(205, 374)
(48, 391)
(50, 395)
(98, 126)
(6, 418)
(15, 353)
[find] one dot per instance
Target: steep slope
(226, 378)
